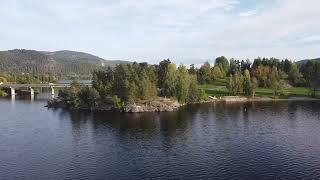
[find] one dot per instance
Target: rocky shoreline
(166, 105)
(156, 105)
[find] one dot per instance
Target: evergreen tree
(192, 70)
(163, 73)
(88, 97)
(234, 66)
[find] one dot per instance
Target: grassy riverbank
(218, 90)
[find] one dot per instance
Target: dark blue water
(274, 140)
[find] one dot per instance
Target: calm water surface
(274, 140)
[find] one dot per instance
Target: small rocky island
(136, 87)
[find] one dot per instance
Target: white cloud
(152, 29)
(310, 39)
(247, 13)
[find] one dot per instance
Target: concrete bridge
(14, 86)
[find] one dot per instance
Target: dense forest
(59, 64)
(130, 83)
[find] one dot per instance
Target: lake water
(270, 140)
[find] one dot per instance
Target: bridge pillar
(52, 91)
(31, 91)
(13, 91)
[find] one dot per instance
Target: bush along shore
(136, 87)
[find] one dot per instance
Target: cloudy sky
(151, 30)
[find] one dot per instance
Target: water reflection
(169, 122)
(253, 140)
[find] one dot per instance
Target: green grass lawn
(294, 91)
(214, 90)
(218, 90)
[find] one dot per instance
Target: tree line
(244, 77)
(141, 81)
(28, 78)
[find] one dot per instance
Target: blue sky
(186, 31)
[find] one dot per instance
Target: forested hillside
(303, 62)
(66, 64)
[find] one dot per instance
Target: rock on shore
(157, 105)
(234, 99)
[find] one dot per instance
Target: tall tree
(235, 83)
(234, 66)
(216, 73)
(147, 88)
(315, 77)
(261, 72)
(293, 74)
(245, 65)
(192, 70)
(171, 80)
(163, 72)
(246, 83)
(182, 85)
(254, 86)
(223, 61)
(275, 81)
(204, 74)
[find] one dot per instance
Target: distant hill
(302, 62)
(64, 63)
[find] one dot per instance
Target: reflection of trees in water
(136, 121)
(296, 107)
(168, 122)
(166, 128)
(292, 110)
(181, 119)
(115, 120)
(315, 107)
